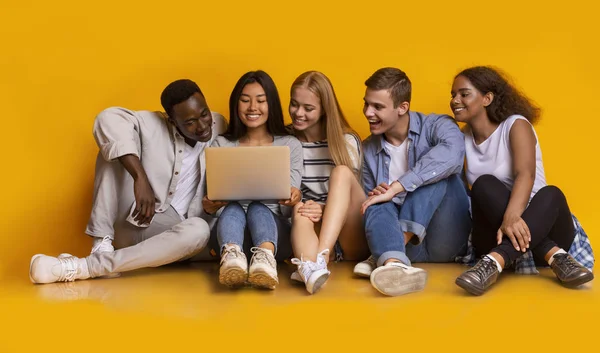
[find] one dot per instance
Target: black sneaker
(570, 272)
(480, 277)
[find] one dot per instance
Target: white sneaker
(364, 268)
(313, 274)
(396, 278)
(296, 277)
(48, 269)
(101, 245)
(234, 266)
(263, 269)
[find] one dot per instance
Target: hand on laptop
(210, 206)
(296, 196)
(311, 210)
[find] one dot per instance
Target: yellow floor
(183, 307)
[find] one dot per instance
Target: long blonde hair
(332, 120)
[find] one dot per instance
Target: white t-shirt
(493, 156)
(188, 179)
(398, 165)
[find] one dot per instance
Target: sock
(496, 262)
(560, 251)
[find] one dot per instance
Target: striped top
(318, 166)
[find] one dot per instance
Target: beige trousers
(166, 240)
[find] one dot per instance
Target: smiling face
(305, 109)
(468, 102)
(193, 118)
(253, 108)
(380, 112)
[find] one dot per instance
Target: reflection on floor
(184, 307)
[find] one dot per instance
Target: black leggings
(547, 216)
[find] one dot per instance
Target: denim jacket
(436, 150)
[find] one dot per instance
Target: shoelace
(104, 246)
(371, 261)
(69, 269)
(231, 252)
(261, 255)
(484, 268)
(305, 268)
(565, 260)
(321, 261)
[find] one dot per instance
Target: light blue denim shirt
(436, 150)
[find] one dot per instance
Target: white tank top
(493, 156)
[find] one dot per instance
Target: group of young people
(418, 189)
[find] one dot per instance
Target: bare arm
(522, 145)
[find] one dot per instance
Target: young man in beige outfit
(148, 189)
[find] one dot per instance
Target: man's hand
(311, 210)
(296, 196)
(144, 201)
(210, 206)
(382, 193)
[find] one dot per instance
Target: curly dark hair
(507, 101)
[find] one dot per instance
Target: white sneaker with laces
(313, 274)
(101, 245)
(396, 278)
(48, 269)
(364, 268)
(263, 269)
(234, 266)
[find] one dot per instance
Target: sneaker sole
(262, 279)
(469, 287)
(322, 277)
(233, 277)
(579, 281)
(394, 281)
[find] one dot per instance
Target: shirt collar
(414, 128)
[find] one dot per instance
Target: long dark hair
(507, 99)
(275, 124)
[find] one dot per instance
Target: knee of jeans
(257, 205)
(232, 205)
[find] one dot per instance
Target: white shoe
(313, 274)
(234, 266)
(396, 278)
(296, 277)
(48, 269)
(364, 268)
(102, 245)
(263, 269)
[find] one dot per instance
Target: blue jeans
(253, 227)
(438, 215)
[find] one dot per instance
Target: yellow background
(61, 62)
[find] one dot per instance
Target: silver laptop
(248, 173)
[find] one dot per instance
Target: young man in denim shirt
(417, 207)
